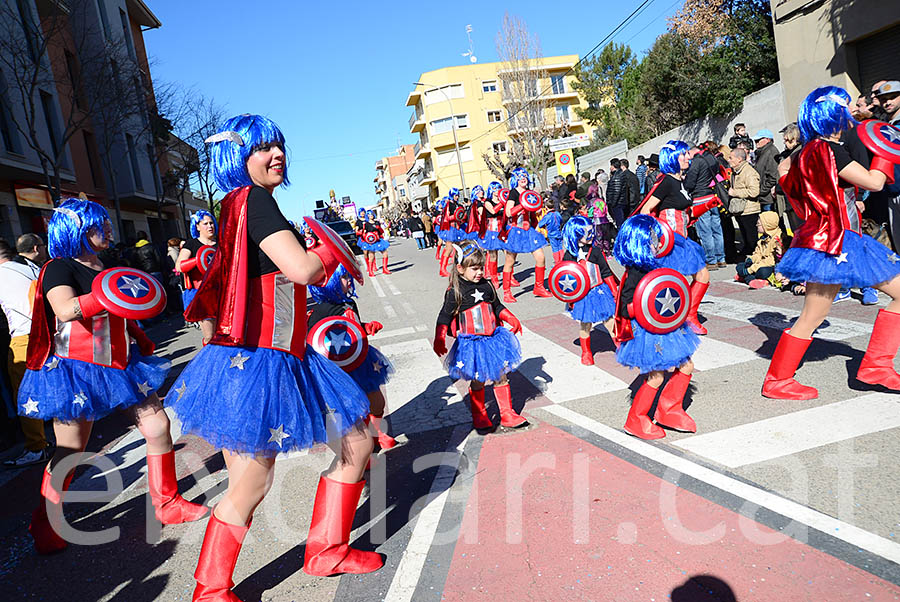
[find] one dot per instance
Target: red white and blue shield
(460, 215)
(341, 340)
(530, 200)
(881, 138)
(129, 293)
(504, 194)
(370, 238)
(666, 240)
(205, 257)
(333, 244)
(662, 300)
(569, 281)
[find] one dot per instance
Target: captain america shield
(569, 281)
(332, 244)
(341, 340)
(504, 194)
(530, 200)
(370, 238)
(129, 293)
(662, 300)
(666, 240)
(881, 138)
(205, 257)
(460, 215)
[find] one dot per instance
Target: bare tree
(515, 157)
(201, 122)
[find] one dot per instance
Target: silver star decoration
(338, 342)
(377, 367)
(53, 363)
(144, 388)
(80, 398)
(460, 364)
(237, 361)
(133, 285)
(506, 364)
(567, 283)
(477, 376)
(842, 258)
(669, 302)
(478, 296)
(658, 347)
(278, 435)
(30, 406)
(180, 390)
(892, 257)
(582, 254)
(891, 133)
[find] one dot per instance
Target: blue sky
(335, 75)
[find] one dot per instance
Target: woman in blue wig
(452, 228)
(494, 211)
(85, 363)
(371, 227)
(829, 250)
(522, 237)
(203, 234)
(271, 393)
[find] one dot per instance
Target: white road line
(409, 569)
(394, 290)
(391, 313)
(386, 334)
(798, 431)
(716, 354)
(829, 525)
(559, 373)
(421, 327)
(407, 308)
(378, 290)
(835, 329)
(415, 366)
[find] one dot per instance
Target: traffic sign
(565, 162)
(576, 141)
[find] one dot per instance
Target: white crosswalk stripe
(716, 354)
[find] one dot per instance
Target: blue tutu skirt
(274, 402)
(491, 241)
(648, 351)
(452, 234)
(187, 296)
(524, 241)
(686, 257)
(380, 246)
(868, 262)
(77, 390)
(598, 306)
(374, 372)
(481, 358)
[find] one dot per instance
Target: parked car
(346, 232)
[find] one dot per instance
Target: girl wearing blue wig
(336, 298)
(85, 363)
(493, 210)
(268, 392)
(670, 203)
(371, 226)
(636, 248)
(203, 233)
(452, 228)
(437, 213)
(600, 303)
(522, 237)
(829, 250)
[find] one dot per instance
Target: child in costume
(336, 298)
(451, 228)
(369, 225)
(600, 303)
(637, 245)
(829, 251)
(493, 238)
(271, 393)
(85, 363)
(522, 237)
(552, 222)
(203, 234)
(484, 350)
(760, 266)
(438, 214)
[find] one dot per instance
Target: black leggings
(749, 235)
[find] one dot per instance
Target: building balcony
(413, 97)
(416, 123)
(445, 139)
(421, 150)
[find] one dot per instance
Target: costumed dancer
(438, 213)
(203, 234)
(493, 216)
(828, 251)
(376, 243)
(271, 393)
(450, 228)
(600, 303)
(336, 298)
(670, 203)
(85, 363)
(637, 247)
(484, 350)
(522, 237)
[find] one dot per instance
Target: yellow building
(482, 106)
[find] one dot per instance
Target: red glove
(188, 264)
(516, 210)
(613, 285)
(329, 260)
(508, 317)
(372, 327)
(140, 337)
(884, 166)
(90, 307)
(698, 210)
(440, 339)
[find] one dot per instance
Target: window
(50, 121)
(93, 158)
(32, 36)
(449, 157)
(562, 113)
(402, 191)
(499, 147)
(132, 156)
(103, 19)
(558, 84)
(443, 93)
(439, 126)
(75, 80)
(489, 85)
(126, 31)
(494, 116)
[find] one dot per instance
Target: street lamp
(462, 178)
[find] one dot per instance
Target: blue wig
(574, 231)
(196, 218)
(824, 112)
(492, 188)
(637, 241)
(370, 215)
(668, 156)
(453, 192)
(361, 213)
(229, 157)
(475, 190)
(333, 291)
(517, 173)
(70, 226)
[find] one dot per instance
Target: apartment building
(391, 186)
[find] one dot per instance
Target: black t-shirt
(595, 255)
(371, 227)
(193, 245)
(671, 194)
(263, 219)
(324, 309)
(470, 298)
(627, 287)
(513, 196)
(845, 153)
(66, 271)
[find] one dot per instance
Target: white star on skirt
(237, 361)
(80, 398)
(144, 388)
(460, 364)
(53, 363)
(30, 406)
(842, 258)
(278, 435)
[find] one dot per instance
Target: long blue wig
(370, 215)
(196, 218)
(668, 156)
(824, 112)
(229, 159)
(70, 226)
(361, 214)
(333, 290)
(453, 194)
(574, 231)
(473, 196)
(517, 173)
(637, 241)
(492, 188)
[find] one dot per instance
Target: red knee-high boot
(507, 293)
(491, 269)
(385, 441)
(46, 540)
(587, 356)
(539, 290)
(384, 268)
(638, 422)
(218, 557)
(327, 546)
(480, 418)
(670, 411)
(370, 266)
(513, 282)
(508, 416)
(698, 289)
(557, 256)
(171, 508)
(437, 249)
(779, 382)
(445, 259)
(877, 366)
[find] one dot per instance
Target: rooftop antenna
(471, 52)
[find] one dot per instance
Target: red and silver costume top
(677, 218)
(476, 313)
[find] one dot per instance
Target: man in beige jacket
(744, 187)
